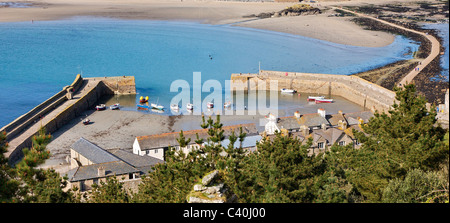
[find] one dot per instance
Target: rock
(199, 187)
(208, 178)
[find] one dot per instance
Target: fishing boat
(318, 101)
(100, 107)
(143, 100)
(114, 106)
(227, 104)
(210, 105)
(174, 107)
(86, 121)
(285, 90)
(313, 98)
(190, 106)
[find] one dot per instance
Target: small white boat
(100, 107)
(174, 107)
(313, 98)
(156, 106)
(189, 106)
(114, 106)
(227, 104)
(210, 105)
(318, 101)
(285, 90)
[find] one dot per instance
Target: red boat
(318, 101)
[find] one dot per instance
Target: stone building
(324, 129)
(90, 164)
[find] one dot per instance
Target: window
(342, 143)
(156, 151)
(320, 145)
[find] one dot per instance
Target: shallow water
(443, 31)
(37, 59)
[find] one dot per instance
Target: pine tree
(111, 191)
(392, 144)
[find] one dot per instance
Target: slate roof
(142, 163)
(91, 171)
(352, 118)
(334, 119)
(117, 162)
(331, 134)
(92, 152)
(165, 139)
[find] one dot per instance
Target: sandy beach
(322, 26)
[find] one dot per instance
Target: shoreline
(208, 12)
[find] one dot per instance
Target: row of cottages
(325, 129)
(156, 145)
(91, 164)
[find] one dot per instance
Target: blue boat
(143, 106)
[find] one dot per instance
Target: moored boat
(156, 106)
(189, 106)
(114, 106)
(86, 122)
(227, 104)
(318, 101)
(100, 107)
(285, 90)
(313, 98)
(143, 107)
(174, 107)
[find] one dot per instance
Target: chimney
(297, 114)
(342, 125)
(322, 112)
(101, 171)
(340, 112)
(305, 130)
(324, 126)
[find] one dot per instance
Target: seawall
(61, 108)
(366, 94)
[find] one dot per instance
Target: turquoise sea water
(37, 59)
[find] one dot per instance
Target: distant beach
(333, 29)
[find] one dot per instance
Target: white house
(156, 145)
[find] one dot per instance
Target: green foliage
(28, 184)
(416, 187)
(111, 191)
(404, 139)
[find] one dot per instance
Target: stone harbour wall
(355, 89)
